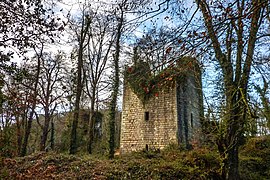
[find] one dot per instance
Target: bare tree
(233, 29)
(50, 91)
(123, 27)
(116, 80)
(22, 23)
(81, 35)
(100, 40)
(34, 93)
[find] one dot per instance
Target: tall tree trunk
(52, 135)
(47, 115)
(91, 123)
(235, 76)
(31, 115)
(73, 140)
(19, 134)
(234, 133)
(45, 130)
(76, 112)
(28, 130)
(115, 87)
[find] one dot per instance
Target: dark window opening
(146, 116)
(191, 120)
(146, 147)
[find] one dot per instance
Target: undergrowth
(170, 163)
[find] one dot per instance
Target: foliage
(7, 141)
(26, 14)
(146, 84)
(255, 155)
(21, 24)
(165, 165)
(170, 163)
(234, 43)
(116, 76)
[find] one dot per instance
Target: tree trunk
(52, 135)
(45, 131)
(235, 76)
(73, 140)
(31, 115)
(115, 88)
(27, 131)
(233, 161)
(91, 123)
(19, 135)
(47, 116)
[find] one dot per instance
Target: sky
(72, 7)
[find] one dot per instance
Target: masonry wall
(158, 131)
(189, 108)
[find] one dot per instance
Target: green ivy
(145, 84)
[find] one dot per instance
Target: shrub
(254, 158)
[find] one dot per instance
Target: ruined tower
(169, 114)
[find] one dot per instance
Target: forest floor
(199, 163)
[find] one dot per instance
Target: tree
(99, 43)
(82, 34)
(21, 23)
(7, 148)
(264, 100)
(34, 92)
(16, 99)
(116, 81)
(233, 28)
(123, 26)
(155, 47)
(50, 92)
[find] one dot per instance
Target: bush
(254, 158)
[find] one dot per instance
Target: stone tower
(171, 116)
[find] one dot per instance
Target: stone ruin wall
(157, 132)
(189, 111)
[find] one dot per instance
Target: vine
(146, 84)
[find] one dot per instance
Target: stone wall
(157, 130)
(172, 117)
(189, 108)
